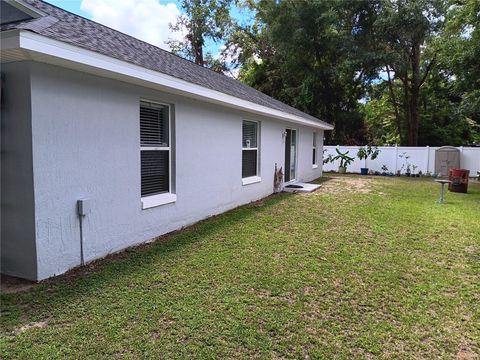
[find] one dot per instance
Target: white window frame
(315, 147)
(256, 178)
(150, 201)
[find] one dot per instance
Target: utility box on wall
(83, 207)
(446, 158)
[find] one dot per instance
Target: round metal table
(442, 190)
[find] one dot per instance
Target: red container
(458, 172)
(459, 180)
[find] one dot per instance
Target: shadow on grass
(47, 296)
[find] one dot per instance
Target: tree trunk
(414, 103)
(197, 44)
(198, 52)
(398, 120)
(406, 106)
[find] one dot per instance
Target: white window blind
(249, 149)
(155, 148)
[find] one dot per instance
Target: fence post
(461, 156)
(396, 159)
(365, 158)
(428, 158)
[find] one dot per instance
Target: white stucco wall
(86, 145)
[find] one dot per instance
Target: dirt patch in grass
(465, 353)
(29, 326)
(12, 285)
(347, 184)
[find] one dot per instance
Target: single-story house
(108, 141)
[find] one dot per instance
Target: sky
(147, 20)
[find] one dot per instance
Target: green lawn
(363, 268)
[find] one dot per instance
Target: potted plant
(408, 172)
(345, 160)
(366, 152)
(414, 169)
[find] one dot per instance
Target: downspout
(83, 208)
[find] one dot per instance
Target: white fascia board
(73, 54)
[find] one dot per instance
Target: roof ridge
(157, 47)
(133, 37)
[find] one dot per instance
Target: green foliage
(380, 120)
(302, 53)
(321, 57)
(382, 71)
(201, 20)
(368, 151)
(447, 99)
(404, 30)
(345, 160)
(458, 50)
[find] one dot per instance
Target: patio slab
(301, 187)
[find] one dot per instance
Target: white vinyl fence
(422, 157)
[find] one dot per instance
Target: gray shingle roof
(64, 26)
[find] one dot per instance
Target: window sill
(314, 166)
(158, 200)
(251, 180)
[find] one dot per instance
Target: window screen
(249, 138)
(249, 163)
(154, 119)
(155, 148)
(249, 149)
(155, 172)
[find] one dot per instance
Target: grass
(363, 268)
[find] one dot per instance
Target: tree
(203, 19)
(441, 120)
(382, 71)
(380, 116)
(427, 91)
(459, 50)
(404, 28)
(312, 55)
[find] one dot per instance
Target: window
(249, 149)
(314, 156)
(155, 150)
